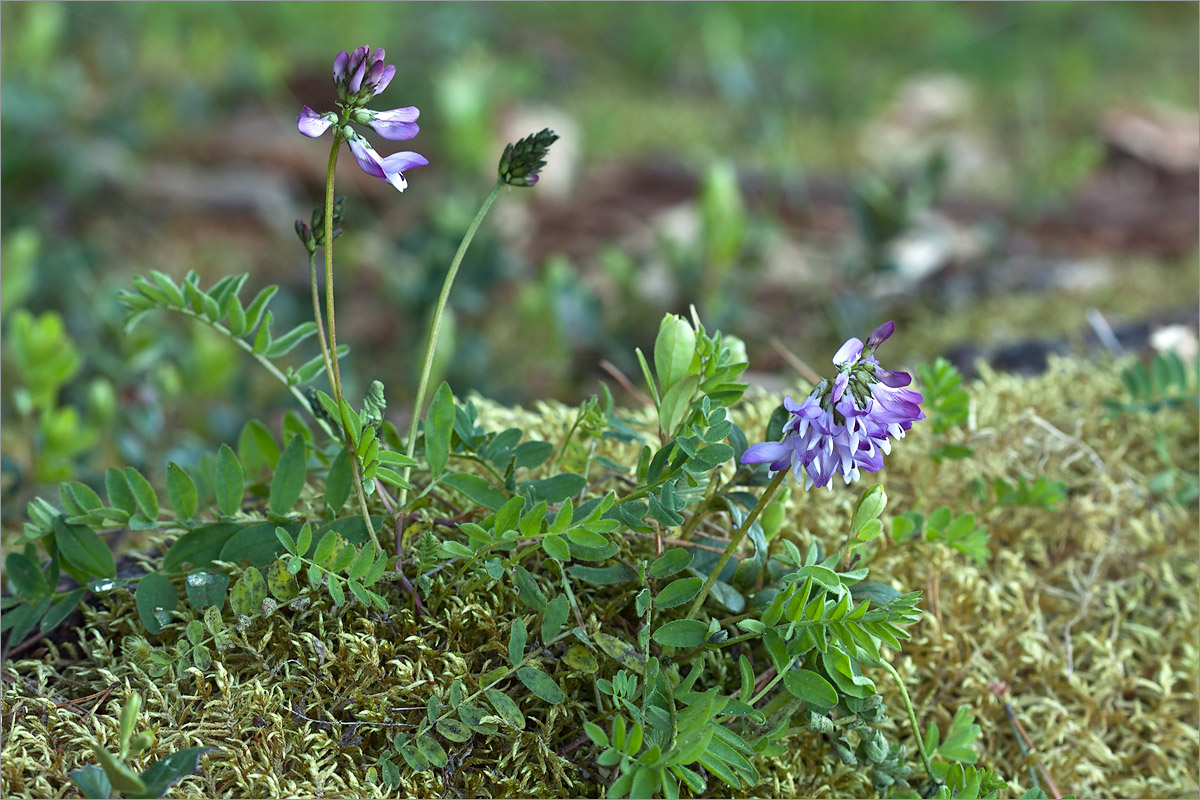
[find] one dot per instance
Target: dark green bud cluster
(521, 162)
(313, 236)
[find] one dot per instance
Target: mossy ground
(1088, 614)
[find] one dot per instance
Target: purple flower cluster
(359, 77)
(847, 425)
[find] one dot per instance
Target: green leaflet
(439, 425)
(541, 684)
(290, 475)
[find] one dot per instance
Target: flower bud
(306, 236)
(520, 163)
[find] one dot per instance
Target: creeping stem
(737, 539)
(436, 325)
(331, 357)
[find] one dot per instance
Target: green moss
(1087, 614)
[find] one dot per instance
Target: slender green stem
(480, 462)
(335, 375)
(695, 520)
(638, 494)
(767, 494)
(912, 718)
(316, 301)
(562, 450)
(435, 327)
(330, 351)
(774, 681)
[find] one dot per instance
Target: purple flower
(388, 169)
(846, 425)
(360, 76)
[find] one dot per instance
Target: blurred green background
(983, 173)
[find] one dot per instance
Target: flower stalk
(330, 350)
(435, 327)
(520, 165)
(767, 494)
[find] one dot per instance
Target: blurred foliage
(101, 102)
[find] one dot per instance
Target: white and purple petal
(312, 124)
(880, 334)
(849, 351)
(397, 124)
(389, 72)
(367, 158)
(339, 66)
(404, 161)
(777, 454)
